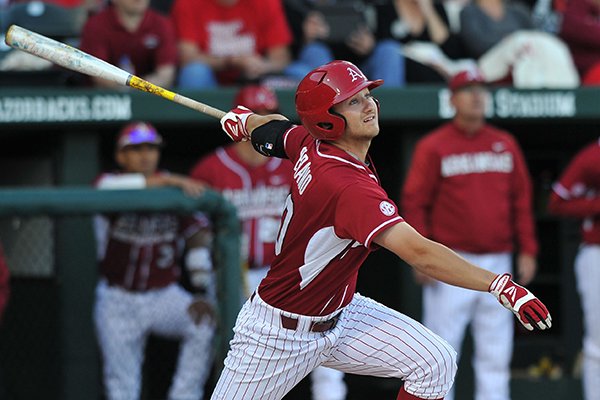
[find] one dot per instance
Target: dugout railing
(75, 275)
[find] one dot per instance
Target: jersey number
(288, 211)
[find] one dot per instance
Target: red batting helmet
(324, 87)
(258, 98)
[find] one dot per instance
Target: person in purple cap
(468, 187)
(138, 292)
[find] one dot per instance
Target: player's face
(360, 112)
(140, 158)
(470, 102)
(134, 7)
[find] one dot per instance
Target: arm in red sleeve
(570, 196)
(4, 283)
(522, 205)
(420, 186)
(581, 24)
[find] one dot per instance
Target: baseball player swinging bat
(79, 61)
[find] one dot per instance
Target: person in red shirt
(580, 30)
(468, 187)
(577, 194)
(132, 36)
(141, 255)
(305, 313)
(258, 186)
(228, 41)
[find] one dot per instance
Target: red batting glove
(234, 124)
(530, 311)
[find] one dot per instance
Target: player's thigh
(116, 315)
(170, 316)
(266, 361)
(379, 341)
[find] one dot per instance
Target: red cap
(138, 133)
(258, 98)
(466, 78)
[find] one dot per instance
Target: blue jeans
(196, 75)
(387, 63)
(311, 56)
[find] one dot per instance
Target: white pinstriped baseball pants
(266, 361)
(587, 271)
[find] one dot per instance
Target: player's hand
(199, 309)
(234, 123)
(530, 311)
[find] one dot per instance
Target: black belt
(291, 323)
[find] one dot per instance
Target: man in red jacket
(468, 187)
(577, 195)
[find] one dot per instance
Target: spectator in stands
(140, 257)
(225, 42)
(581, 32)
(501, 37)
(484, 23)
(409, 21)
(132, 36)
(379, 60)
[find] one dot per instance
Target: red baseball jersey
(471, 193)
(335, 209)
(577, 192)
(141, 251)
(152, 45)
(258, 193)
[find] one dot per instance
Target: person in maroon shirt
(141, 256)
(306, 313)
(468, 187)
(580, 29)
(577, 194)
(132, 36)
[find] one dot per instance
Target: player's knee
(591, 347)
(435, 375)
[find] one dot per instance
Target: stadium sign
(76, 108)
(506, 103)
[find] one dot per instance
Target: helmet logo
(355, 74)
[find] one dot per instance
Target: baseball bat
(79, 61)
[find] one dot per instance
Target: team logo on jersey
(387, 208)
(498, 147)
(354, 74)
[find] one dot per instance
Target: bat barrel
(63, 54)
(77, 60)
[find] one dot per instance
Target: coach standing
(468, 187)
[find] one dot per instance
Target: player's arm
(441, 263)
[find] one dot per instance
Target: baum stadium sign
(73, 108)
(506, 103)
